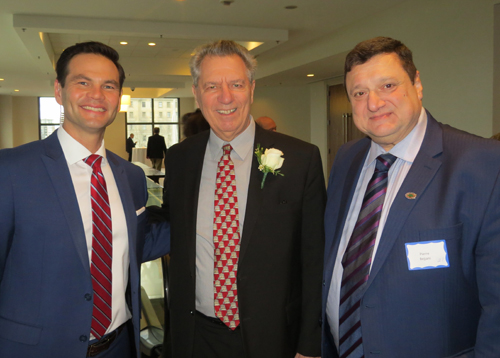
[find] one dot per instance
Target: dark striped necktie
(357, 260)
(102, 249)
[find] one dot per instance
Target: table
(155, 193)
(150, 172)
(139, 155)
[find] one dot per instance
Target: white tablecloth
(139, 155)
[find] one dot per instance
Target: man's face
(385, 104)
(224, 95)
(91, 95)
(132, 136)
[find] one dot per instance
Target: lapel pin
(411, 195)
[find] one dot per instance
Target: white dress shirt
(81, 174)
(405, 151)
(241, 155)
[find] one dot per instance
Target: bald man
(266, 123)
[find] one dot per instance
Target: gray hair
(221, 48)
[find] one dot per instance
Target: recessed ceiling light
(310, 75)
(2, 79)
(291, 7)
(16, 90)
(151, 44)
(123, 43)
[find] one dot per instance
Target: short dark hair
(91, 47)
(365, 50)
(156, 130)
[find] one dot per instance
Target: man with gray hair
(247, 245)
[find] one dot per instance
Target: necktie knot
(227, 149)
(94, 161)
(384, 162)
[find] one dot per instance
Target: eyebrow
(83, 77)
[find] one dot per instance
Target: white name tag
(427, 255)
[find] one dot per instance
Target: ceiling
(33, 34)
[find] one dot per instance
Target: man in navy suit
(432, 283)
(47, 225)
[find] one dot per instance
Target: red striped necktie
(357, 260)
(102, 249)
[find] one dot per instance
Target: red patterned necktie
(102, 249)
(226, 242)
(357, 260)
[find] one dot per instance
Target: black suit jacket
(280, 263)
(156, 146)
(129, 145)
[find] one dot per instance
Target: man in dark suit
(156, 149)
(129, 145)
(245, 272)
(72, 235)
(415, 275)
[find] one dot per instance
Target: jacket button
(88, 296)
(83, 338)
(324, 283)
(192, 313)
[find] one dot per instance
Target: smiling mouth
(226, 111)
(95, 109)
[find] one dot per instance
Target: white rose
(272, 159)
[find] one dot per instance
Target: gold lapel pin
(411, 196)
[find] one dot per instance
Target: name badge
(427, 255)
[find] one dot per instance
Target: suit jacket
(280, 262)
(156, 146)
(45, 284)
(442, 312)
(129, 145)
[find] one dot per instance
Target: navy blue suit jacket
(443, 312)
(45, 284)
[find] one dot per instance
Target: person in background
(247, 248)
(73, 227)
(156, 149)
(266, 123)
(412, 224)
(130, 145)
(194, 123)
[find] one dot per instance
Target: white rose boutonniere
(269, 160)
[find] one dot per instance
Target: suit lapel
(57, 169)
(255, 193)
(351, 179)
(422, 171)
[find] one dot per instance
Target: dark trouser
(130, 156)
(215, 340)
(122, 346)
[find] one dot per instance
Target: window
(50, 116)
(141, 122)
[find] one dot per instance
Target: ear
(58, 91)
(193, 89)
(251, 91)
(418, 86)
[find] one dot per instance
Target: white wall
(288, 106)
(6, 130)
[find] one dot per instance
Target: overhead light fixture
(151, 44)
(291, 7)
(2, 79)
(16, 90)
(125, 102)
(123, 43)
(226, 2)
(310, 75)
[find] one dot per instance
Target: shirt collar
(242, 145)
(74, 151)
(408, 148)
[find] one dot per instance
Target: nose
(225, 95)
(374, 101)
(96, 93)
